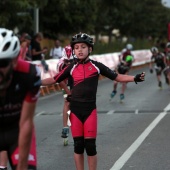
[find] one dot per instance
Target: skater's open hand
(139, 77)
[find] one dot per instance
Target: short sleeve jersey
(24, 87)
(159, 59)
(85, 79)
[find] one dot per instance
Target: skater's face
(82, 50)
(6, 69)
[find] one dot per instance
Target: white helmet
(9, 44)
(154, 50)
(168, 45)
(129, 46)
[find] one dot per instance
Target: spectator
(56, 51)
(37, 52)
(25, 52)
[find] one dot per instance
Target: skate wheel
(65, 141)
(121, 101)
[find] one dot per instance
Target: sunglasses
(4, 62)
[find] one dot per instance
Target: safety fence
(110, 60)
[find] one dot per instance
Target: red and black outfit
(24, 86)
(159, 62)
(124, 68)
(83, 115)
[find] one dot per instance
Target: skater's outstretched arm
(129, 78)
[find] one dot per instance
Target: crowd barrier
(110, 60)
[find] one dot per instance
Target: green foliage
(139, 19)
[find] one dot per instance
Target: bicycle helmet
(67, 53)
(154, 50)
(82, 38)
(168, 45)
(129, 46)
(9, 44)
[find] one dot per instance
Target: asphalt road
(133, 135)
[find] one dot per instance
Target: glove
(151, 70)
(139, 77)
(68, 98)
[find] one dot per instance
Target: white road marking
(128, 153)
(110, 112)
(38, 114)
(136, 111)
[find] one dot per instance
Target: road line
(110, 112)
(40, 113)
(136, 111)
(128, 153)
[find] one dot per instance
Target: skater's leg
(79, 161)
(90, 145)
(65, 129)
(65, 114)
(3, 160)
(115, 84)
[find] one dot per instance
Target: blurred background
(112, 23)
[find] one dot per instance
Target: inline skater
(125, 62)
(66, 60)
(167, 69)
(85, 73)
(19, 90)
(159, 60)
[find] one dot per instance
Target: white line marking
(38, 114)
(110, 112)
(128, 153)
(136, 111)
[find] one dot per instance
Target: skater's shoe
(122, 96)
(3, 168)
(65, 132)
(160, 84)
(167, 80)
(113, 94)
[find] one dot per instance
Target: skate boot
(3, 168)
(160, 84)
(122, 96)
(65, 132)
(113, 94)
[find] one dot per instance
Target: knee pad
(90, 146)
(79, 145)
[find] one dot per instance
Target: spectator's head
(9, 50)
(28, 38)
(38, 36)
(22, 37)
(57, 43)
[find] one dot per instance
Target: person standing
(83, 117)
(56, 51)
(39, 53)
(19, 90)
(25, 48)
